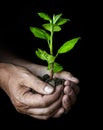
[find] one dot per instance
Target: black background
(16, 18)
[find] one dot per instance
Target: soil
(54, 82)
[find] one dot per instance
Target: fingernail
(48, 89)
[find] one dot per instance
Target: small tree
(53, 25)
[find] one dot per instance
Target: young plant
(53, 25)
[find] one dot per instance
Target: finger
(75, 88)
(67, 76)
(46, 117)
(38, 100)
(72, 97)
(67, 89)
(66, 103)
(48, 110)
(59, 113)
(38, 85)
(67, 82)
(40, 117)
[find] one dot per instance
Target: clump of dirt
(54, 82)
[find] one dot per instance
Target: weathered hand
(71, 88)
(29, 94)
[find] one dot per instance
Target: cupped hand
(71, 88)
(29, 94)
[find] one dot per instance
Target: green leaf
(45, 56)
(56, 28)
(67, 46)
(56, 18)
(62, 21)
(40, 33)
(57, 67)
(48, 26)
(45, 16)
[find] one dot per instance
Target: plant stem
(51, 52)
(51, 71)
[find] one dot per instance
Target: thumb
(39, 86)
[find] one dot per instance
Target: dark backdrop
(16, 18)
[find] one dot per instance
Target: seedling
(47, 32)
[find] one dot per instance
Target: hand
(21, 82)
(30, 95)
(71, 88)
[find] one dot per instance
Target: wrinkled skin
(32, 96)
(18, 82)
